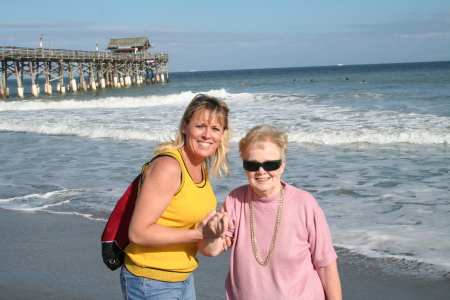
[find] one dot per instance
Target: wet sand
(51, 256)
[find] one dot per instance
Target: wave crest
(107, 102)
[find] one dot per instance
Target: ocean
(375, 155)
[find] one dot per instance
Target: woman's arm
(329, 276)
(161, 180)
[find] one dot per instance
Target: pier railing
(21, 53)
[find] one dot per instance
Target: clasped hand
(215, 225)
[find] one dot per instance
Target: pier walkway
(113, 69)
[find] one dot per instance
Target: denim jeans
(134, 287)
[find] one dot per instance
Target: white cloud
(422, 36)
(38, 24)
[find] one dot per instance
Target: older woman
(282, 245)
(175, 196)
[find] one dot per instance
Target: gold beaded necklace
(275, 231)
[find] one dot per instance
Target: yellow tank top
(191, 203)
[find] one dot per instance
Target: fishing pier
(128, 63)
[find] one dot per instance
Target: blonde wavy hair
(264, 133)
(217, 163)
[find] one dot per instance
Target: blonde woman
(175, 202)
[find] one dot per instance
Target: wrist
(198, 234)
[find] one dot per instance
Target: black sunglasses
(270, 165)
(199, 97)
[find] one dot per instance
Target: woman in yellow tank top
(175, 202)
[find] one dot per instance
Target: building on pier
(129, 45)
(102, 69)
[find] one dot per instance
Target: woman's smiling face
(264, 183)
(203, 135)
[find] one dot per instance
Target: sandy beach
(51, 256)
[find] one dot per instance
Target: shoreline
(55, 256)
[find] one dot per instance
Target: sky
(245, 34)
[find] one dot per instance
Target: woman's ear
(183, 126)
(283, 165)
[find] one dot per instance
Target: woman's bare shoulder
(164, 166)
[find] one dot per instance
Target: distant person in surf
(281, 243)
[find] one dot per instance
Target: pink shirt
(303, 243)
